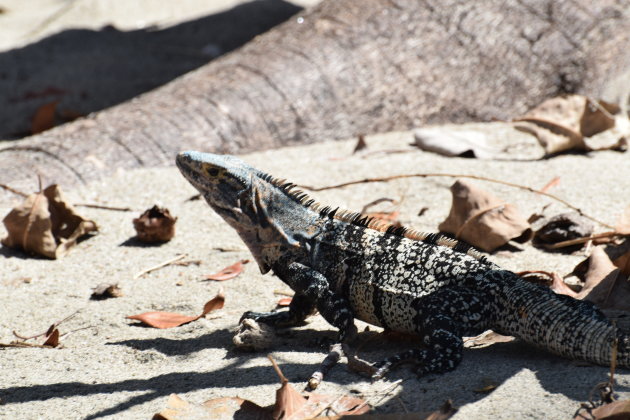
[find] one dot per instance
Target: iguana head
(266, 216)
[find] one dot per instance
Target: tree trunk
(348, 67)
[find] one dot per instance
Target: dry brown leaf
(564, 227)
(52, 337)
(44, 118)
(563, 123)
(284, 302)
(483, 220)
(623, 263)
(45, 224)
(454, 142)
(229, 272)
(169, 320)
(106, 290)
(215, 409)
(623, 223)
(604, 284)
(291, 405)
(155, 225)
(617, 410)
(361, 144)
(555, 181)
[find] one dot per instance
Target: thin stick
(329, 362)
(13, 190)
(98, 206)
(53, 326)
(20, 344)
(585, 239)
(157, 267)
(477, 177)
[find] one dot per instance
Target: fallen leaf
(52, 339)
(604, 284)
(564, 227)
(563, 123)
(169, 320)
(291, 405)
(454, 142)
(555, 181)
(623, 223)
(617, 410)
(361, 144)
(45, 224)
(623, 263)
(106, 290)
(155, 225)
(44, 118)
(215, 409)
(284, 302)
(483, 220)
(228, 272)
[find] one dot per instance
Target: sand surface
(117, 369)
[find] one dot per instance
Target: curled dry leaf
(215, 409)
(483, 220)
(46, 224)
(155, 225)
(52, 337)
(617, 410)
(169, 320)
(563, 123)
(229, 272)
(564, 227)
(44, 118)
(284, 302)
(604, 284)
(454, 142)
(290, 405)
(106, 290)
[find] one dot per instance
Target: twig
(477, 177)
(13, 190)
(157, 267)
(21, 344)
(331, 360)
(98, 206)
(585, 239)
(52, 327)
(283, 378)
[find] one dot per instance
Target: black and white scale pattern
(348, 267)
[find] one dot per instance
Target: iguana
(349, 266)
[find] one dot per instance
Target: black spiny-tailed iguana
(348, 266)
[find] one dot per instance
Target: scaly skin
(347, 266)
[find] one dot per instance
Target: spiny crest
(359, 219)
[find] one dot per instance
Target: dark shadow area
(303, 340)
(87, 70)
(498, 362)
(134, 242)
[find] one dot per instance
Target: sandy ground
(117, 369)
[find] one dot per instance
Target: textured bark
(348, 67)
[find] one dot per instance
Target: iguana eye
(213, 171)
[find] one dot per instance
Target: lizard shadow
(498, 363)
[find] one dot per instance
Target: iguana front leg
(312, 290)
(300, 307)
